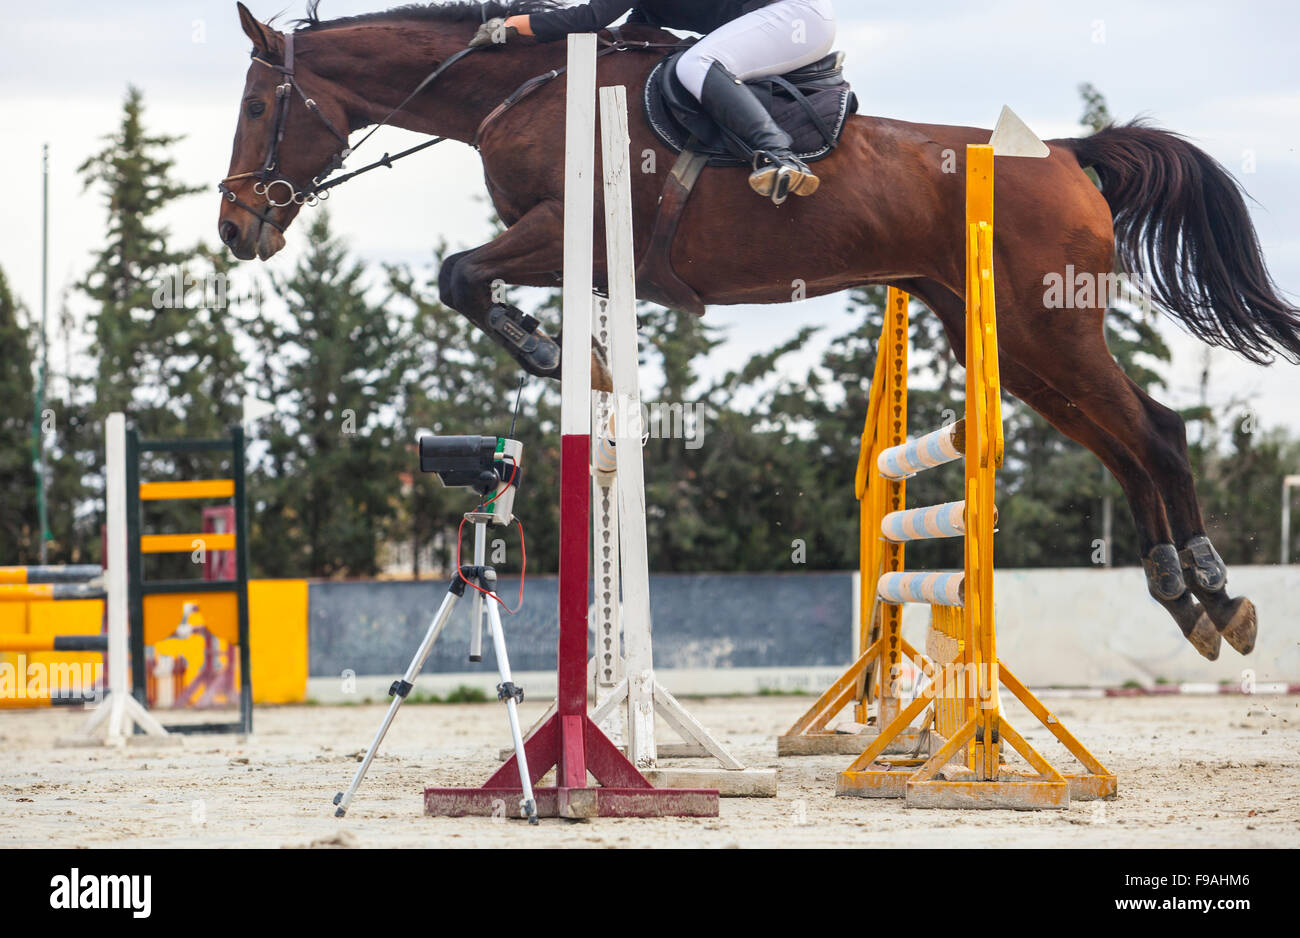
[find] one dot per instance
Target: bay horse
(890, 212)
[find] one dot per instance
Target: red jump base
(574, 746)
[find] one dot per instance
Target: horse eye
(256, 108)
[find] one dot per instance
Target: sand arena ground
(1193, 772)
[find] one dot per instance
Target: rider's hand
(499, 31)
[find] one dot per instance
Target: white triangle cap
(1012, 137)
(255, 409)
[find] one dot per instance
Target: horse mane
(451, 12)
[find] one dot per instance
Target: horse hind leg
(1207, 577)
(1160, 559)
(1205, 572)
(1084, 372)
(1168, 586)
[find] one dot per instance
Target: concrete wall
(700, 621)
(1099, 628)
(747, 632)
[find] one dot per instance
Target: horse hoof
(1205, 638)
(1242, 627)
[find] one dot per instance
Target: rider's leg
(777, 172)
(769, 41)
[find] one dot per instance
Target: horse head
(292, 130)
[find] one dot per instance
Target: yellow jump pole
(889, 497)
(12, 593)
(21, 641)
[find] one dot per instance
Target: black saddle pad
(811, 104)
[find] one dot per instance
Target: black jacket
(698, 16)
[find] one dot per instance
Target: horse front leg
(530, 253)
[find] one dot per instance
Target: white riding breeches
(771, 40)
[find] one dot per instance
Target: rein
(269, 176)
(618, 45)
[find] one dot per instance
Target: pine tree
(329, 486)
(136, 186)
(19, 528)
(163, 329)
(164, 356)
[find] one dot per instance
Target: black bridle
(269, 176)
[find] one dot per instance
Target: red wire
(523, 551)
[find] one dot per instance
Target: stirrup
(778, 178)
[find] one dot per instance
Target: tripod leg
(398, 692)
(512, 696)
(476, 600)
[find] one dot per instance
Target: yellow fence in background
(277, 633)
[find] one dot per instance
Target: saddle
(812, 104)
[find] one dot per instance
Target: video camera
(489, 465)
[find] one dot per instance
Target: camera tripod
(485, 578)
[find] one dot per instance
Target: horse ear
(255, 30)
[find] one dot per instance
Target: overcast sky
(1225, 74)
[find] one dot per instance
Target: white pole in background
(1288, 484)
(121, 710)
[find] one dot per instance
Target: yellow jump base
(945, 747)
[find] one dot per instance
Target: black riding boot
(777, 171)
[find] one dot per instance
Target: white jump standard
(570, 741)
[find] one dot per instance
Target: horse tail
(1181, 220)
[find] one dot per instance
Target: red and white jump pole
(569, 741)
